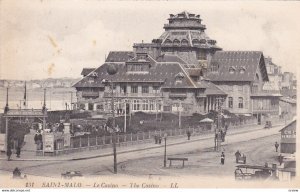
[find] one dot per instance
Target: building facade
(181, 71)
(288, 138)
(242, 74)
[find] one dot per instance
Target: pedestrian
(188, 135)
(8, 153)
(280, 159)
(222, 158)
(156, 138)
(159, 139)
(226, 128)
(18, 152)
(237, 156)
(35, 138)
(276, 146)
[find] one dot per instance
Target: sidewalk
(31, 156)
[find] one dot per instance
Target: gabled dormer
(141, 63)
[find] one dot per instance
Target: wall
(236, 90)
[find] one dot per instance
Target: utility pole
(112, 70)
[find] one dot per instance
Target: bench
(177, 159)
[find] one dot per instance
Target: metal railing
(89, 142)
(108, 94)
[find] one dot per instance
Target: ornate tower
(185, 36)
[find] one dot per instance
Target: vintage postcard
(148, 94)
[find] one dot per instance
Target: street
(258, 146)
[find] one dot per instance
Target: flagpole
(25, 96)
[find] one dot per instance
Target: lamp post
(6, 109)
(111, 70)
(218, 138)
(165, 154)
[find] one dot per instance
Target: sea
(56, 98)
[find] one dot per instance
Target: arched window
(231, 70)
(176, 42)
(242, 70)
(168, 42)
(184, 42)
(241, 102)
(179, 77)
(202, 41)
(196, 42)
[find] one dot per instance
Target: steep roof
(86, 71)
(119, 56)
(290, 127)
(159, 72)
(210, 88)
(250, 61)
(170, 58)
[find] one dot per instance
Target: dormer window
(168, 42)
(231, 70)
(202, 41)
(242, 70)
(184, 42)
(196, 42)
(93, 74)
(179, 77)
(138, 67)
(176, 42)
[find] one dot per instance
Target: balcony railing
(177, 95)
(195, 26)
(90, 94)
(108, 94)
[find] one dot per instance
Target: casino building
(182, 70)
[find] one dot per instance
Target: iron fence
(90, 142)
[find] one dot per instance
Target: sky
(54, 39)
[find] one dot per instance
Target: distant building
(274, 74)
(288, 107)
(288, 138)
(288, 81)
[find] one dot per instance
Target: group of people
(238, 155)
